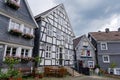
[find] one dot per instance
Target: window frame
(48, 52)
(24, 53)
(27, 30)
(93, 64)
(12, 25)
(49, 29)
(104, 59)
(115, 71)
(106, 47)
(11, 51)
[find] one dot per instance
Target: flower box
(13, 4)
(15, 32)
(26, 59)
(28, 36)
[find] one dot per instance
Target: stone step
(72, 71)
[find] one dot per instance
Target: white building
(56, 37)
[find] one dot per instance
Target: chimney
(118, 29)
(99, 31)
(107, 30)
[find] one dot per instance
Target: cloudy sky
(85, 15)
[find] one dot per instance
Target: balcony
(13, 4)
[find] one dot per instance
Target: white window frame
(92, 64)
(48, 51)
(25, 52)
(115, 71)
(107, 57)
(49, 30)
(11, 50)
(28, 30)
(57, 53)
(58, 34)
(85, 43)
(12, 25)
(105, 45)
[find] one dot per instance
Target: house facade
(107, 49)
(55, 37)
(16, 30)
(84, 52)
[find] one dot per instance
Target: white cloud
(85, 15)
(39, 6)
(113, 24)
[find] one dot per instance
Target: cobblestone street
(81, 78)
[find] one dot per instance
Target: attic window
(15, 4)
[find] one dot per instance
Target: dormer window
(104, 46)
(15, 4)
(85, 44)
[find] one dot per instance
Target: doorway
(61, 56)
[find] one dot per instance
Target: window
(103, 46)
(20, 27)
(106, 59)
(91, 64)
(11, 51)
(48, 51)
(58, 34)
(25, 53)
(117, 71)
(86, 53)
(49, 30)
(85, 43)
(28, 30)
(83, 53)
(57, 56)
(14, 25)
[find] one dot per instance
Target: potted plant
(15, 75)
(35, 60)
(13, 4)
(112, 66)
(97, 69)
(4, 76)
(38, 73)
(28, 36)
(11, 61)
(15, 32)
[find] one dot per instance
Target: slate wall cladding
(5, 36)
(113, 59)
(22, 13)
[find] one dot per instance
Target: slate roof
(106, 36)
(76, 41)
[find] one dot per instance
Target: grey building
(16, 30)
(107, 46)
(55, 36)
(84, 53)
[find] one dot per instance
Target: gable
(57, 16)
(22, 14)
(81, 40)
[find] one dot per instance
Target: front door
(80, 66)
(60, 57)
